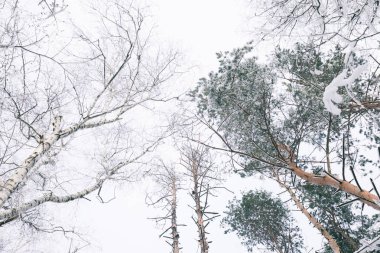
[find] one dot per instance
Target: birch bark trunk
(21, 172)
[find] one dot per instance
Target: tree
(322, 20)
(260, 219)
(372, 246)
(313, 220)
(271, 130)
(169, 183)
(352, 24)
(203, 176)
(344, 223)
(68, 89)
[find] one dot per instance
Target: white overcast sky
(198, 29)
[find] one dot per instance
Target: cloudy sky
(197, 29)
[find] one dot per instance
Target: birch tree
(69, 95)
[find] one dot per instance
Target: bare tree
(322, 20)
(69, 96)
(204, 178)
(169, 183)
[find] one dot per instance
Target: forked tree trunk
(46, 142)
(22, 171)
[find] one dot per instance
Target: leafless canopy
(320, 20)
(204, 178)
(168, 181)
(67, 89)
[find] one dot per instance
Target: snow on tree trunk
(200, 170)
(21, 172)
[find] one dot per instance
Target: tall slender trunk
(331, 241)
(175, 234)
(328, 144)
(203, 243)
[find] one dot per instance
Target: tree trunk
(175, 234)
(364, 196)
(331, 241)
(198, 210)
(21, 172)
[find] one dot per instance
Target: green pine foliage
(262, 220)
(345, 223)
(256, 106)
